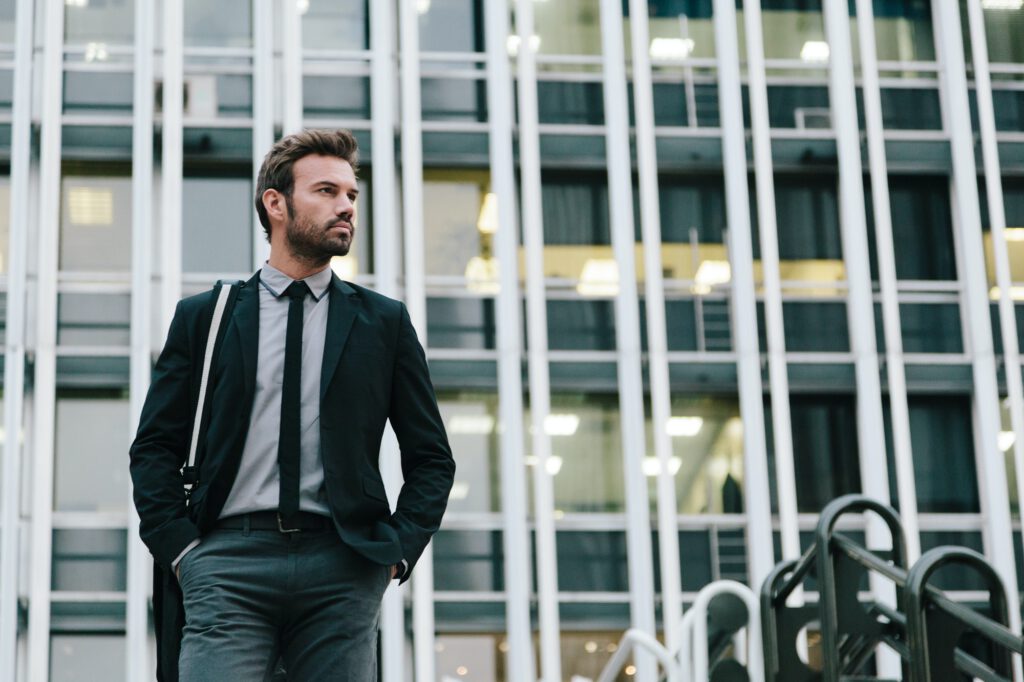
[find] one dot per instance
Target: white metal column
(291, 67)
(45, 380)
(171, 158)
(657, 343)
(387, 268)
(140, 573)
(775, 333)
(537, 347)
(997, 225)
(906, 486)
(515, 535)
(14, 353)
(757, 501)
(627, 332)
(415, 296)
(262, 109)
(995, 505)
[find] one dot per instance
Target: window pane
(96, 224)
(465, 227)
(931, 328)
(922, 227)
(903, 31)
(217, 224)
(453, 99)
(824, 449)
(942, 439)
(816, 327)
(91, 472)
(89, 560)
(80, 658)
(5, 222)
(471, 421)
(568, 27)
(7, 20)
(336, 97)
(591, 561)
(1003, 30)
(581, 325)
(108, 21)
(451, 26)
(97, 92)
(469, 560)
(93, 319)
(226, 23)
(570, 102)
(810, 243)
(575, 208)
(460, 323)
(334, 24)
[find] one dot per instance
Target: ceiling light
(1016, 293)
(671, 49)
(76, 3)
(302, 5)
(1002, 4)
(652, 466)
(599, 277)
(1006, 440)
(711, 273)
(1014, 234)
(815, 51)
(482, 275)
(471, 424)
(91, 206)
(683, 426)
(487, 222)
(345, 267)
(513, 42)
(96, 52)
(553, 465)
(561, 424)
(422, 6)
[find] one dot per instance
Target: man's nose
(344, 206)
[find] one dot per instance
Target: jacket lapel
(246, 320)
(341, 313)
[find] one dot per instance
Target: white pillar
(627, 333)
(171, 162)
(262, 110)
(415, 296)
(291, 67)
(45, 379)
(995, 505)
(14, 353)
(140, 573)
(757, 503)
(537, 348)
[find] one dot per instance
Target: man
(287, 542)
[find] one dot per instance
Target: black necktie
(288, 444)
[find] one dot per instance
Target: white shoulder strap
(211, 340)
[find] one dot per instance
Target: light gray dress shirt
(257, 485)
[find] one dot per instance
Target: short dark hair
(276, 171)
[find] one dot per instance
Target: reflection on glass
(460, 237)
(334, 24)
(470, 417)
(96, 222)
(217, 224)
(89, 560)
(87, 657)
(226, 23)
(89, 474)
(98, 24)
(450, 25)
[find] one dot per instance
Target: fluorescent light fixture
(471, 424)
(711, 273)
(96, 52)
(1006, 440)
(422, 6)
(683, 426)
(76, 3)
(561, 424)
(482, 275)
(1014, 234)
(487, 221)
(599, 277)
(671, 49)
(1002, 4)
(652, 466)
(815, 51)
(91, 206)
(513, 42)
(553, 465)
(1016, 293)
(302, 6)
(345, 267)
(459, 491)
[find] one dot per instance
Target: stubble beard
(313, 243)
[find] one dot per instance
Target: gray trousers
(253, 596)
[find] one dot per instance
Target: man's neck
(295, 268)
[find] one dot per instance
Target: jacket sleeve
(161, 448)
(427, 464)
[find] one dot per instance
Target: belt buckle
(281, 527)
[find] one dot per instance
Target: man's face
(321, 210)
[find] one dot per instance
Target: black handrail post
(828, 603)
(921, 655)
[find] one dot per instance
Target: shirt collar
(276, 281)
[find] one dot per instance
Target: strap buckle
(280, 526)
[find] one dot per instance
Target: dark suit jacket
(374, 370)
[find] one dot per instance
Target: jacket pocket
(374, 487)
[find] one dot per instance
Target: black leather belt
(271, 520)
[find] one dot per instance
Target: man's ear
(274, 203)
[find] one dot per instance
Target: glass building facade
(685, 271)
